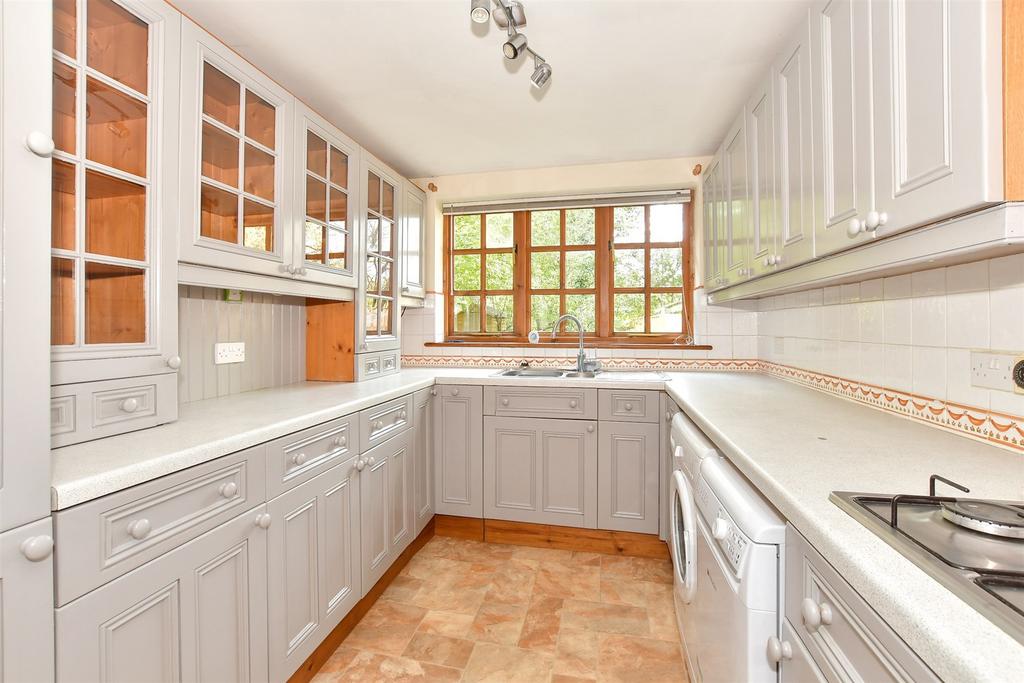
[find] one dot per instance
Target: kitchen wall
(273, 329)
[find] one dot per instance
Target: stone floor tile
(435, 649)
(498, 623)
(370, 666)
(576, 654)
(402, 588)
(652, 569)
(623, 591)
(542, 624)
(567, 581)
(449, 624)
(491, 663)
(605, 618)
(387, 627)
(640, 660)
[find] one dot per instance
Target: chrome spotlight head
(541, 74)
(480, 11)
(515, 46)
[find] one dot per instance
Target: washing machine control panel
(730, 540)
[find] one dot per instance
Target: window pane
(259, 119)
(373, 191)
(65, 26)
(220, 155)
(316, 154)
(117, 43)
(64, 88)
(372, 234)
(628, 223)
(499, 313)
(499, 270)
(372, 280)
(467, 272)
(218, 214)
(314, 242)
(579, 270)
(258, 226)
(371, 316)
(545, 228)
(544, 311)
(259, 173)
(339, 168)
(667, 223)
(666, 267)
(499, 231)
(667, 313)
(579, 226)
(316, 199)
(387, 234)
(385, 316)
(338, 216)
(62, 301)
(115, 217)
(220, 96)
(467, 232)
(385, 276)
(582, 306)
(629, 313)
(62, 206)
(337, 246)
(545, 270)
(466, 314)
(115, 304)
(629, 267)
(115, 128)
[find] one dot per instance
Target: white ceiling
(428, 91)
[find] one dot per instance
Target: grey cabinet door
(314, 574)
(423, 460)
(542, 471)
(628, 477)
(196, 614)
(386, 508)
(26, 603)
(458, 445)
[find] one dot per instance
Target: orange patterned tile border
(1001, 429)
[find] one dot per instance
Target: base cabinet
(458, 444)
(26, 603)
(423, 459)
(314, 571)
(198, 614)
(627, 475)
(385, 505)
(797, 665)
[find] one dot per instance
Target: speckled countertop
(797, 445)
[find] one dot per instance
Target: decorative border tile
(978, 423)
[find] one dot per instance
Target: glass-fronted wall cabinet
(114, 214)
(413, 258)
(236, 168)
(327, 247)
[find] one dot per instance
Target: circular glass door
(682, 537)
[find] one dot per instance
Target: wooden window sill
(590, 344)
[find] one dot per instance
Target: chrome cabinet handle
(228, 489)
(174, 362)
(139, 529)
(298, 459)
(37, 548)
(815, 615)
(263, 520)
(40, 144)
(130, 405)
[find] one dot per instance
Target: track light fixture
(510, 16)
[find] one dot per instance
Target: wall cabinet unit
(458, 449)
(423, 459)
(386, 506)
(413, 241)
(627, 475)
(314, 570)
(542, 471)
(713, 228)
(114, 212)
(197, 613)
(763, 190)
(736, 239)
(26, 603)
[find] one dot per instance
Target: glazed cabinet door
(236, 167)
(26, 603)
(386, 506)
(377, 310)
(413, 258)
(737, 209)
(541, 471)
(936, 142)
(627, 472)
(458, 448)
(326, 248)
(842, 44)
(710, 197)
(197, 613)
(763, 196)
(423, 459)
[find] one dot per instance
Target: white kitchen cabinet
(762, 144)
(26, 603)
(236, 166)
(386, 514)
(628, 478)
(114, 215)
(413, 240)
(314, 570)
(458, 451)
(326, 248)
(736, 183)
(714, 224)
(423, 459)
(937, 110)
(198, 613)
(541, 471)
(796, 665)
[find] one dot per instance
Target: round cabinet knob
(228, 489)
(379, 425)
(174, 362)
(360, 464)
(871, 221)
(628, 407)
(668, 416)
(590, 429)
(37, 548)
(371, 461)
(814, 615)
(39, 144)
(776, 260)
(779, 650)
(341, 441)
(720, 529)
(853, 228)
(767, 261)
(433, 392)
(573, 403)
(402, 415)
(883, 218)
(263, 520)
(455, 392)
(139, 529)
(298, 459)
(130, 405)
(504, 401)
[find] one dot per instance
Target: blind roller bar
(570, 202)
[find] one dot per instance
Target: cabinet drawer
(368, 366)
(93, 410)
(840, 630)
(628, 406)
(566, 402)
(102, 539)
(389, 362)
(298, 457)
(380, 423)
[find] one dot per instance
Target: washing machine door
(682, 536)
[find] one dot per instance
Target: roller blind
(569, 202)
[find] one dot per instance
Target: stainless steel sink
(541, 372)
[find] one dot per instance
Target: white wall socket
(228, 352)
(993, 370)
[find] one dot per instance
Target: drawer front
(840, 630)
(563, 402)
(389, 362)
(623, 405)
(380, 423)
(93, 410)
(368, 366)
(298, 457)
(102, 539)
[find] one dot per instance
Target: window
(624, 271)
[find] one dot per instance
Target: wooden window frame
(604, 291)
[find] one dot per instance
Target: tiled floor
(469, 611)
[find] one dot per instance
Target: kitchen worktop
(797, 445)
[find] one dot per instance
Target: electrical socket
(228, 352)
(993, 370)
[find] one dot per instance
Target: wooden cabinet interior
(330, 340)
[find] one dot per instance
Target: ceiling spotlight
(480, 11)
(541, 73)
(510, 8)
(514, 46)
